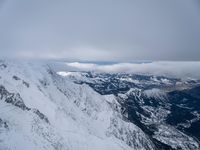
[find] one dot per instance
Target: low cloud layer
(170, 69)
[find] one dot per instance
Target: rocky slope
(166, 109)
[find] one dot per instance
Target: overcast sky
(103, 30)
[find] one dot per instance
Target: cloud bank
(164, 68)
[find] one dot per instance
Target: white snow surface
(155, 93)
(79, 118)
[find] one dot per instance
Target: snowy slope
(166, 109)
(42, 110)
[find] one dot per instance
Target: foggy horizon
(118, 31)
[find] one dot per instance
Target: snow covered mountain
(42, 109)
(166, 109)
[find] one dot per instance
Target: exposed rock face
(12, 98)
(17, 101)
(3, 124)
(41, 116)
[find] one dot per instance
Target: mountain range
(42, 108)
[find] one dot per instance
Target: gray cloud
(106, 30)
